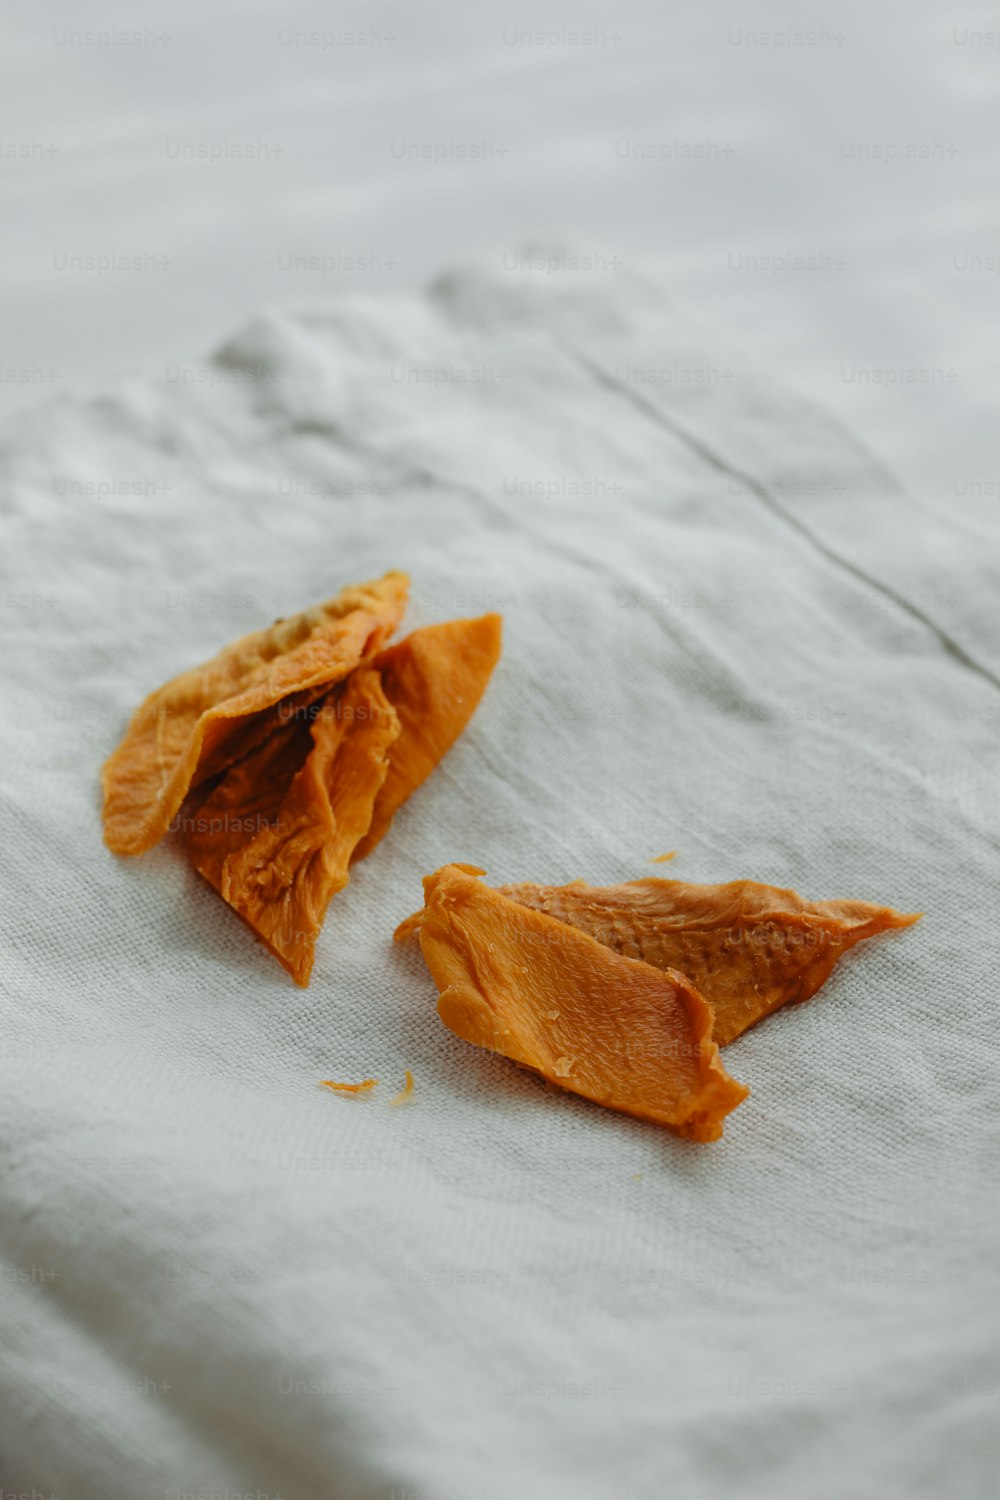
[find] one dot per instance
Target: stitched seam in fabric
(756, 487)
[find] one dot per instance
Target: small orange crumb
(405, 1092)
(365, 1087)
(659, 859)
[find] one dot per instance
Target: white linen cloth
(812, 179)
(727, 632)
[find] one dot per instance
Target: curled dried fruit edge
(406, 1092)
(201, 722)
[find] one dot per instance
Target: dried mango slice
(434, 679)
(198, 723)
(619, 1032)
(276, 836)
(748, 948)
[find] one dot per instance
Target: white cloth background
(728, 633)
(900, 254)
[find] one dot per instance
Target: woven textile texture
(729, 632)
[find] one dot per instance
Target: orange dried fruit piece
(364, 1087)
(199, 723)
(275, 837)
(616, 1031)
(434, 679)
(218, 821)
(406, 1092)
(748, 948)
